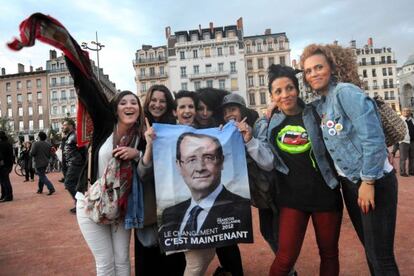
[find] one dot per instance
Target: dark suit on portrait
(226, 205)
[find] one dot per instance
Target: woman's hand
(272, 106)
(149, 134)
(366, 196)
(245, 130)
(125, 153)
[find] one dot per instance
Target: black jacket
(72, 155)
(6, 155)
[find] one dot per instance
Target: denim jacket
(134, 217)
(318, 147)
(357, 143)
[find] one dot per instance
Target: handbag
(102, 197)
(394, 127)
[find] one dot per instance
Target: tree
(5, 126)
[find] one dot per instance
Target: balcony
(57, 70)
(58, 84)
(152, 76)
(149, 60)
(211, 74)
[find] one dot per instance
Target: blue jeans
(376, 229)
(43, 180)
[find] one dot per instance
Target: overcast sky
(123, 26)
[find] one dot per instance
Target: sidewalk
(39, 236)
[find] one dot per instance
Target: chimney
(20, 68)
(268, 31)
(370, 42)
(52, 54)
(167, 32)
(3, 71)
(335, 42)
(31, 68)
(211, 27)
(353, 44)
(240, 24)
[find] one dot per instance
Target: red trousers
(292, 229)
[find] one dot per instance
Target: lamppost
(98, 47)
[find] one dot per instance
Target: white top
(206, 203)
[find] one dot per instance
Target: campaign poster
(202, 189)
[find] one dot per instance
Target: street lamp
(98, 47)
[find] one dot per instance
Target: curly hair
(342, 61)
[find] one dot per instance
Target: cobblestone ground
(39, 236)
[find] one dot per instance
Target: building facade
(377, 68)
(209, 57)
(261, 51)
(24, 101)
(151, 67)
(406, 83)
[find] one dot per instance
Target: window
(30, 124)
(210, 83)
(41, 124)
(270, 46)
(162, 72)
(38, 83)
(384, 71)
(8, 86)
(234, 84)
(221, 67)
(386, 95)
(208, 68)
(252, 100)
(54, 67)
(219, 51)
(250, 81)
(392, 97)
(374, 73)
(259, 47)
(389, 71)
(184, 86)
(54, 95)
(19, 85)
(260, 63)
(374, 84)
(39, 95)
(261, 80)
(233, 67)
(197, 85)
(372, 60)
(182, 55)
(29, 97)
(63, 95)
(262, 98)
(9, 99)
(40, 109)
(152, 71)
(9, 113)
(64, 110)
(207, 52)
(391, 83)
(231, 50)
(195, 54)
(54, 110)
(282, 60)
(364, 73)
(388, 59)
(385, 83)
(248, 49)
(30, 111)
(143, 87)
(72, 94)
(183, 71)
(249, 64)
(196, 69)
(382, 59)
(364, 61)
(19, 98)
(53, 82)
(271, 60)
(222, 84)
(21, 125)
(20, 111)
(28, 84)
(62, 81)
(73, 109)
(142, 72)
(206, 36)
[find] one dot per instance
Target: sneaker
(404, 174)
(51, 192)
(39, 192)
(73, 210)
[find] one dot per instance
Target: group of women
(318, 150)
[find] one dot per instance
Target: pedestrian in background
(41, 152)
(6, 165)
(406, 146)
(29, 171)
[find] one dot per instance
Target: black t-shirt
(304, 187)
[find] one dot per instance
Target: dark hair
(140, 123)
(69, 121)
(251, 114)
(185, 94)
(42, 136)
(3, 136)
(219, 150)
(212, 98)
(276, 71)
(168, 116)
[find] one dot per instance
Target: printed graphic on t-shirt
(293, 139)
